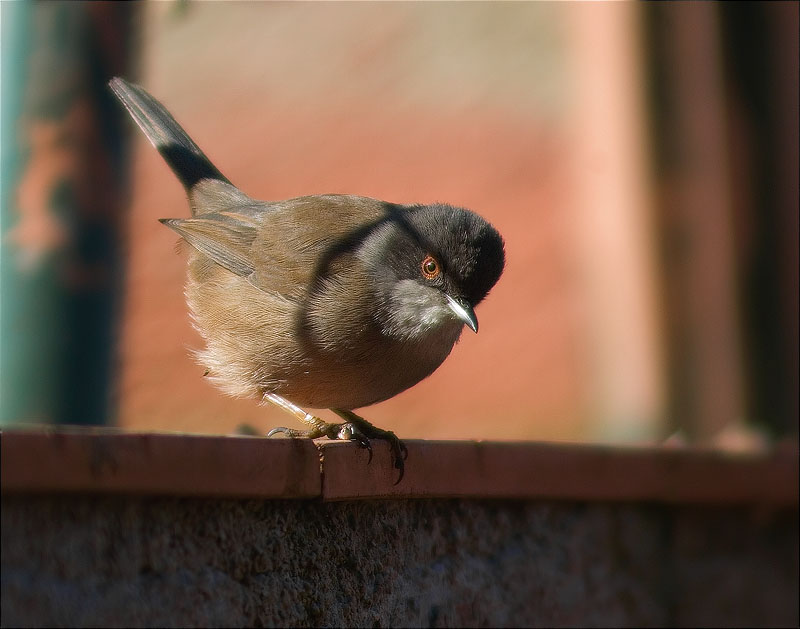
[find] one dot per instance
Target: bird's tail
(185, 158)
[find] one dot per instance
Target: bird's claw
(356, 429)
(291, 432)
(360, 430)
(403, 449)
(399, 455)
(351, 432)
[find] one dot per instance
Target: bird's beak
(463, 310)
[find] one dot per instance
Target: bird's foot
(354, 428)
(362, 431)
(319, 428)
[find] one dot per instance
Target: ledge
(113, 461)
(562, 472)
(106, 528)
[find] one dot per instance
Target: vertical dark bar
(758, 43)
(62, 202)
(784, 23)
(696, 221)
(762, 67)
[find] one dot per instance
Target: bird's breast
(371, 369)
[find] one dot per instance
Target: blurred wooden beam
(701, 305)
(612, 223)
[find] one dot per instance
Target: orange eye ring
(430, 268)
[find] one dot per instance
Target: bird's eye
(430, 268)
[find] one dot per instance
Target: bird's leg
(354, 428)
(318, 428)
(359, 425)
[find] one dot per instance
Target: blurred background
(641, 161)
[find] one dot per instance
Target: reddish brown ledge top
(563, 471)
(111, 461)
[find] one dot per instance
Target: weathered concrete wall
(112, 561)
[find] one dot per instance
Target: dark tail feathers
(179, 150)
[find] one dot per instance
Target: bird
(330, 301)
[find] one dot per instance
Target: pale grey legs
(354, 428)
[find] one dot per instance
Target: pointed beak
(462, 309)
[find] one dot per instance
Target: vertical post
(62, 200)
(612, 224)
(697, 248)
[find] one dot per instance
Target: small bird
(327, 301)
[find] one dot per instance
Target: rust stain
(38, 230)
(66, 153)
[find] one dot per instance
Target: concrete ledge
(102, 560)
(563, 472)
(101, 528)
(105, 460)
(110, 461)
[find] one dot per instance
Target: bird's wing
(284, 246)
(223, 238)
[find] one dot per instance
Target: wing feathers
(224, 239)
